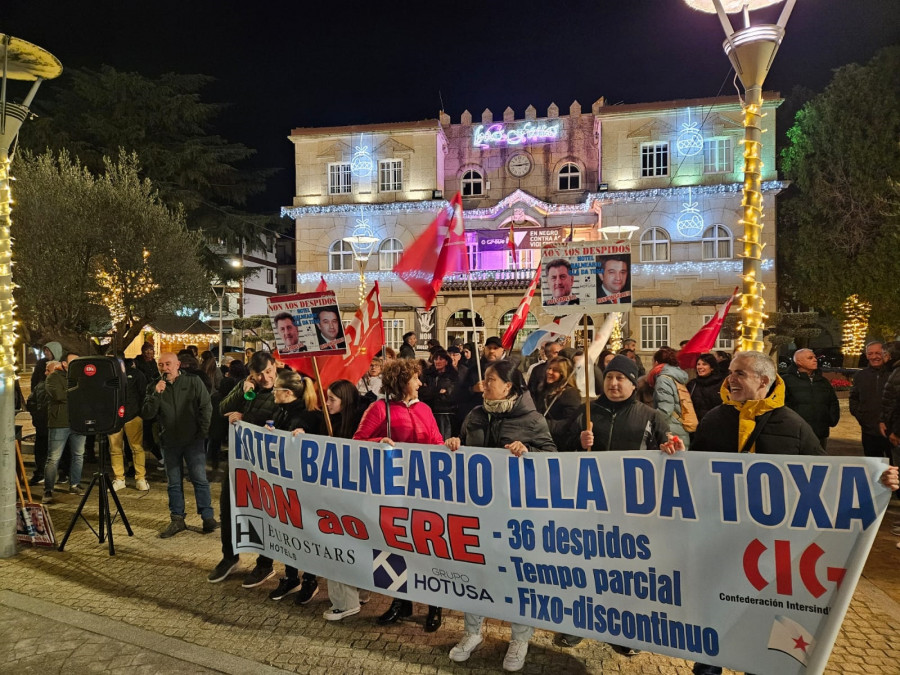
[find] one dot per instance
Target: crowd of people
(179, 408)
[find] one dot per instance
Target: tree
(98, 251)
(839, 230)
(94, 114)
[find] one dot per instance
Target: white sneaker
(515, 656)
(118, 485)
(338, 614)
(464, 648)
(142, 485)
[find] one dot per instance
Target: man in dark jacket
(619, 422)
(810, 395)
(181, 405)
(470, 392)
(135, 388)
(866, 399)
(252, 401)
(890, 402)
(58, 432)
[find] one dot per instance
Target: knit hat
(624, 365)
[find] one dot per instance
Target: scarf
(654, 373)
(504, 405)
(748, 411)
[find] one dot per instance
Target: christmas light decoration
(361, 164)
(122, 288)
(690, 140)
(500, 134)
(7, 303)
(615, 338)
(690, 223)
(855, 325)
(362, 241)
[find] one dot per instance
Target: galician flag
(563, 326)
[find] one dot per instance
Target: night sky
(293, 64)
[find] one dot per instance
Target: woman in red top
(411, 422)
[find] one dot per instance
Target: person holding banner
(753, 418)
(619, 422)
(343, 403)
(409, 421)
(506, 419)
(297, 411)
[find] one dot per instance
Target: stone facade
(666, 175)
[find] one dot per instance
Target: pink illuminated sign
(530, 132)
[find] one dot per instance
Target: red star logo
(800, 643)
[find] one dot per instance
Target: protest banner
(307, 324)
(586, 277)
(742, 560)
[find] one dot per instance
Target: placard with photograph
(586, 277)
(307, 324)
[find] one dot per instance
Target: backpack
(688, 416)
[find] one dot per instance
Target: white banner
(745, 561)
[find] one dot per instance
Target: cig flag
(518, 320)
(706, 337)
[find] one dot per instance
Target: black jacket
(813, 398)
(135, 390)
(705, 393)
(183, 410)
(257, 411)
(890, 402)
(866, 398)
(629, 425)
(523, 423)
(559, 411)
(294, 415)
(784, 433)
(407, 351)
(432, 384)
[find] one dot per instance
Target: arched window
(340, 257)
(655, 245)
(530, 326)
(472, 184)
(389, 253)
(570, 177)
(717, 243)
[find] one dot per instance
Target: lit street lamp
(19, 60)
(751, 51)
(362, 241)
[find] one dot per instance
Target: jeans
(193, 455)
(519, 631)
(57, 440)
(134, 429)
(876, 446)
(41, 446)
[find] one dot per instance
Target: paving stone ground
(149, 609)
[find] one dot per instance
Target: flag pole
(315, 361)
(587, 376)
(474, 330)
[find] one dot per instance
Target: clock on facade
(519, 165)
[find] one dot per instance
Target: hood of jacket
(56, 350)
(675, 373)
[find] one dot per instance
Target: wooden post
(587, 376)
(322, 396)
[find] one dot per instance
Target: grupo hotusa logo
(249, 531)
(389, 571)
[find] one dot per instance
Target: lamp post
(362, 241)
(751, 51)
(19, 60)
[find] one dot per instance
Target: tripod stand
(101, 479)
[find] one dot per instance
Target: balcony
(489, 280)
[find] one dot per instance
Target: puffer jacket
(523, 423)
(626, 425)
(430, 392)
(411, 422)
(666, 400)
(813, 398)
(784, 431)
(705, 393)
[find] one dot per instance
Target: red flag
(441, 250)
(511, 244)
(518, 320)
(323, 285)
(705, 339)
(365, 337)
